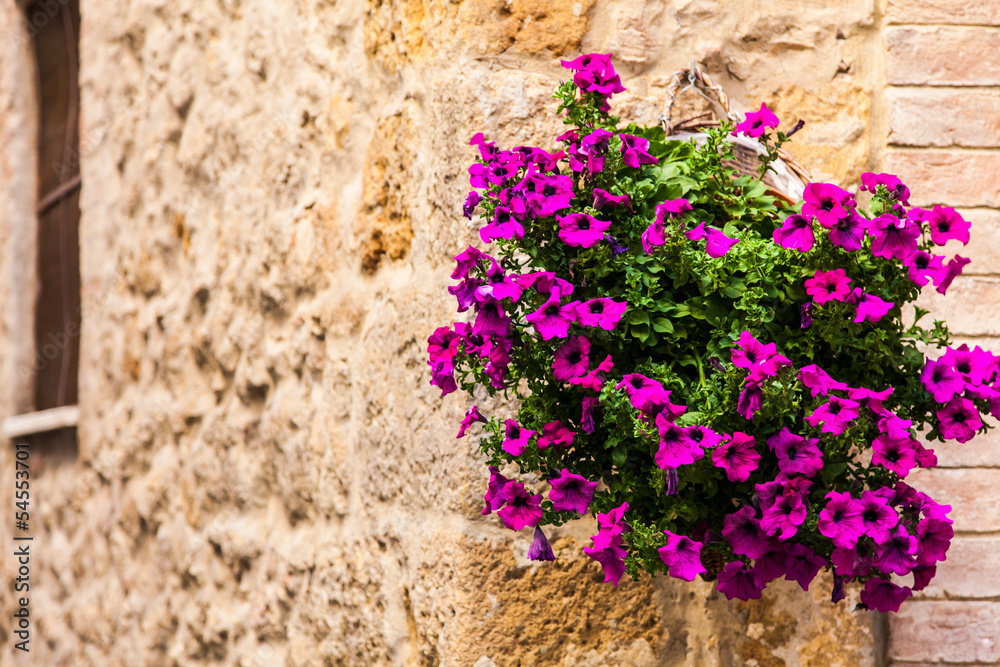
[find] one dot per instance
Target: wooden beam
(41, 421)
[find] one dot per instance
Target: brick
(953, 178)
(974, 495)
(935, 117)
(984, 243)
(970, 571)
(983, 451)
(949, 631)
(946, 12)
(969, 307)
(949, 56)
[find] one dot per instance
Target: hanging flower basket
(723, 377)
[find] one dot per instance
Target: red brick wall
(943, 120)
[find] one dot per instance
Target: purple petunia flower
(545, 282)
(702, 436)
(571, 493)
(959, 420)
(616, 248)
(581, 230)
(470, 204)
(608, 551)
(737, 457)
(941, 380)
(587, 416)
(466, 260)
(840, 520)
(829, 286)
(548, 194)
(952, 271)
(555, 433)
(738, 580)
(639, 388)
(717, 244)
(595, 74)
(897, 191)
(503, 226)
(470, 418)
(635, 151)
(827, 203)
(796, 454)
(743, 532)
(892, 237)
(613, 522)
(498, 285)
(946, 224)
(976, 366)
(806, 315)
(757, 122)
(835, 415)
(933, 539)
(884, 596)
(552, 320)
(604, 199)
(750, 401)
(771, 565)
(594, 379)
(682, 556)
(540, 548)
(802, 564)
(604, 313)
(896, 554)
(516, 438)
(924, 266)
(673, 208)
(849, 232)
(676, 448)
(894, 453)
(490, 320)
(922, 575)
(571, 359)
(653, 236)
(818, 382)
(751, 351)
(795, 233)
(784, 516)
(658, 404)
(877, 517)
(521, 509)
(492, 497)
(869, 307)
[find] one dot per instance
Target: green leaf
(663, 325)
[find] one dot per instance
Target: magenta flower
(894, 453)
(896, 554)
(897, 190)
(545, 282)
(941, 380)
(471, 417)
(493, 496)
(554, 433)
(877, 517)
(587, 417)
(892, 237)
(613, 523)
(757, 122)
(490, 320)
(704, 437)
(796, 454)
(521, 509)
(750, 401)
(516, 438)
(752, 352)
(582, 230)
(933, 539)
(743, 532)
(795, 233)
(802, 564)
(604, 199)
(784, 516)
(616, 248)
(829, 286)
(465, 293)
(608, 551)
(673, 208)
(818, 382)
(571, 493)
(639, 388)
(540, 548)
(840, 520)
(827, 203)
(946, 224)
(737, 457)
(471, 201)
(466, 260)
(976, 366)
(552, 320)
(682, 555)
(604, 313)
(653, 236)
(571, 360)
(658, 404)
(595, 74)
(717, 244)
(884, 596)
(959, 420)
(594, 379)
(676, 448)
(635, 151)
(924, 266)
(849, 232)
(503, 226)
(738, 580)
(498, 285)
(549, 194)
(952, 271)
(869, 307)
(771, 565)
(922, 575)
(835, 415)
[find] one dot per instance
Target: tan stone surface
(974, 12)
(967, 307)
(969, 491)
(934, 117)
(954, 178)
(271, 199)
(948, 56)
(956, 632)
(970, 570)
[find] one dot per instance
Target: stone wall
(270, 201)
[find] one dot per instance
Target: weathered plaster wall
(271, 196)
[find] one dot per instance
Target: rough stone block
(984, 243)
(953, 178)
(970, 571)
(980, 452)
(971, 493)
(946, 12)
(954, 632)
(968, 307)
(936, 117)
(948, 56)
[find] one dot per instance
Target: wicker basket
(789, 178)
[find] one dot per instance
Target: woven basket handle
(693, 78)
